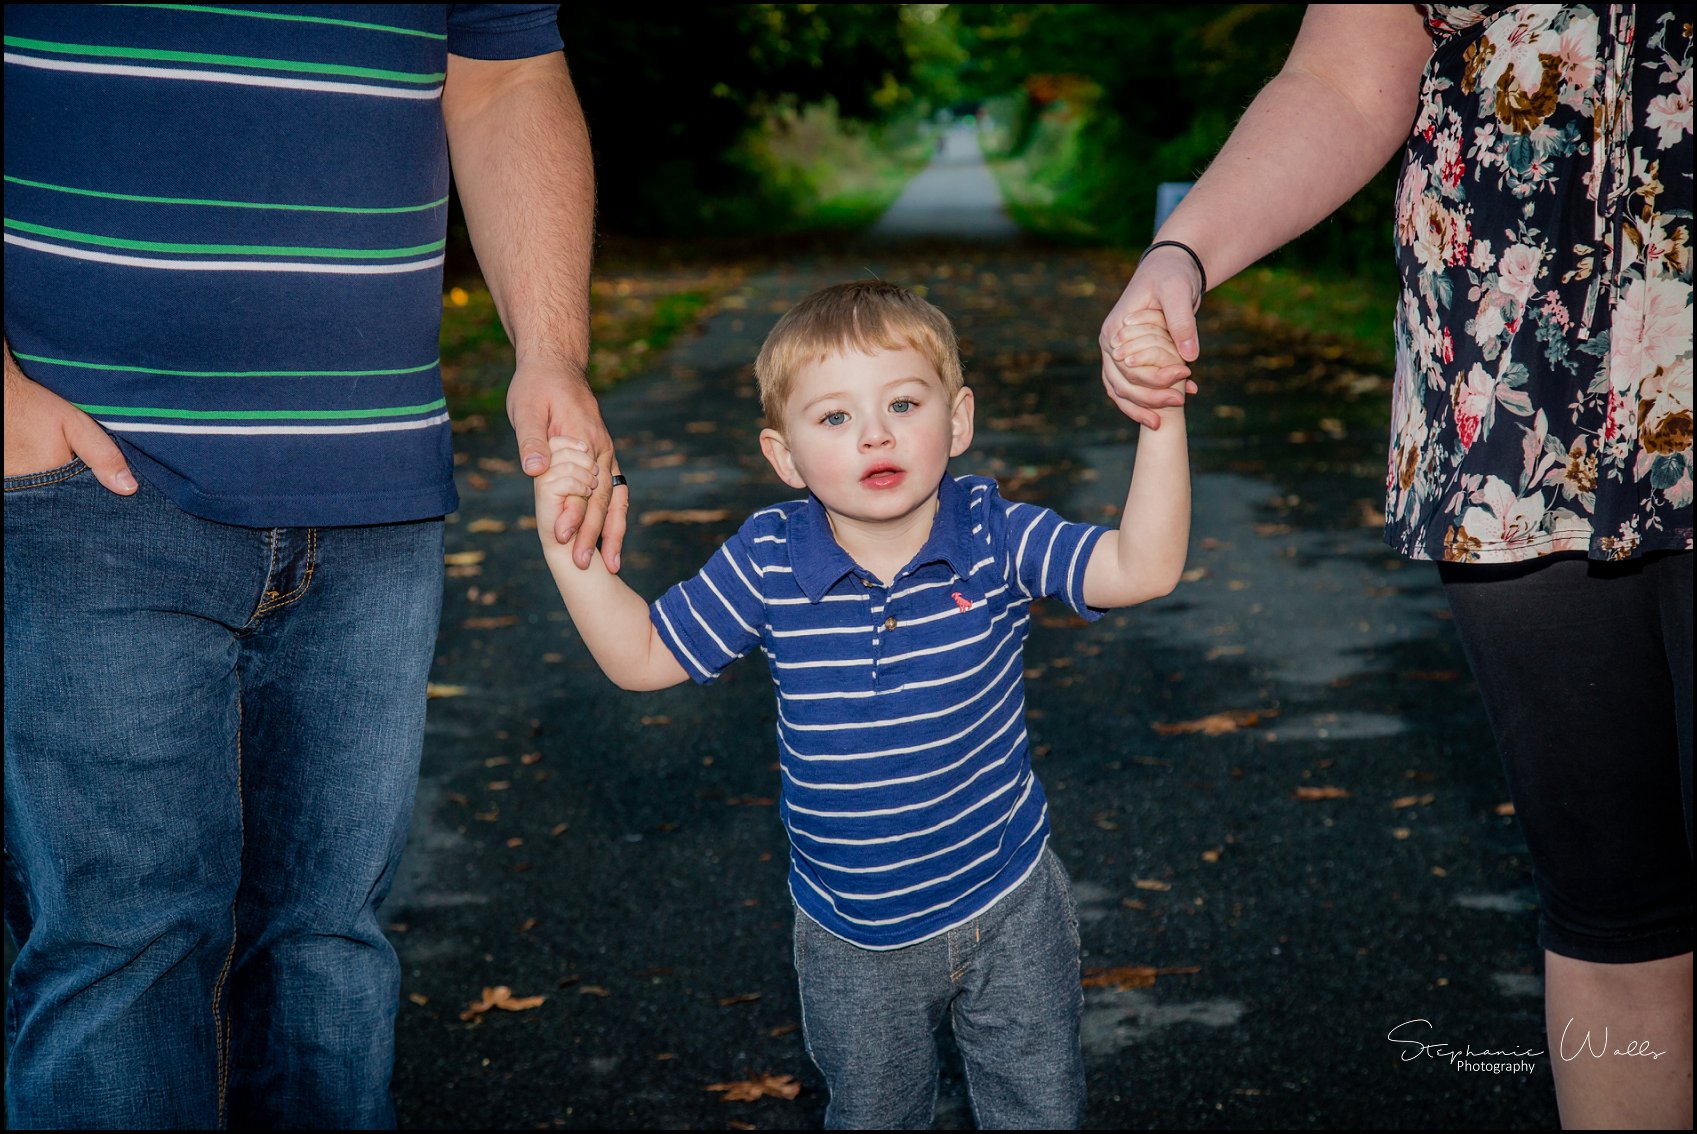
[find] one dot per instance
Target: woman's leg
(1574, 663)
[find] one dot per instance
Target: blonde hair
(866, 316)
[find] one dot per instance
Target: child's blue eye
(835, 417)
(902, 405)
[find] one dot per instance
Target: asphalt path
(1322, 873)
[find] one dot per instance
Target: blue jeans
(212, 744)
(1009, 981)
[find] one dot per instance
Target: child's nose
(876, 435)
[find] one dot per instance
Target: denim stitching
(306, 581)
(221, 1026)
(46, 476)
(269, 604)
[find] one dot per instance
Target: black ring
(1187, 250)
(618, 479)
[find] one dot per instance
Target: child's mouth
(883, 477)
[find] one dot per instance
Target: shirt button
(890, 622)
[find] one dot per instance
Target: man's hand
(1165, 283)
(545, 403)
(44, 431)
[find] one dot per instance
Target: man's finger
(100, 453)
(533, 454)
(613, 531)
(594, 515)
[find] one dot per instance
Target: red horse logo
(961, 601)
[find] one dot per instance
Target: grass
(1052, 190)
(634, 317)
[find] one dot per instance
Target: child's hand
(1149, 348)
(572, 471)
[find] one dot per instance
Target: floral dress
(1543, 386)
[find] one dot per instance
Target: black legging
(1585, 669)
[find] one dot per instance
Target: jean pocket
(47, 477)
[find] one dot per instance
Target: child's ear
(960, 422)
(778, 455)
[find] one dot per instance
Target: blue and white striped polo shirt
(224, 230)
(908, 792)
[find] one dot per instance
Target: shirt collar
(819, 561)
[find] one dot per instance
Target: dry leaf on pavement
(747, 1090)
(1126, 977)
(499, 997)
(1326, 791)
(1215, 724)
(432, 690)
(684, 516)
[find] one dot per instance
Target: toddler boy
(892, 606)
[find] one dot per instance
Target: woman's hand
(1165, 281)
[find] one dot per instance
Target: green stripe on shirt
(223, 249)
(252, 15)
(162, 56)
(225, 204)
(260, 415)
(431, 365)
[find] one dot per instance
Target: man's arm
(611, 618)
(521, 160)
(44, 431)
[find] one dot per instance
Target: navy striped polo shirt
(224, 232)
(908, 792)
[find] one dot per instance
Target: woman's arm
(1340, 108)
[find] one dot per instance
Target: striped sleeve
(713, 619)
(1048, 555)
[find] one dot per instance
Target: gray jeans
(1009, 981)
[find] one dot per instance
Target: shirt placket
(883, 622)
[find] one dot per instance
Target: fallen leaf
(739, 1124)
(1224, 652)
(665, 1055)
(497, 465)
(1325, 792)
(559, 829)
(527, 523)
(418, 998)
(1132, 904)
(784, 1030)
(701, 427)
(1215, 724)
(486, 525)
(1412, 800)
(1126, 977)
(499, 785)
(530, 757)
(477, 481)
(515, 841)
(1504, 809)
(432, 690)
(593, 990)
(1152, 884)
(1400, 832)
(499, 997)
(739, 998)
(462, 558)
(684, 516)
(748, 1090)
(1194, 574)
(528, 924)
(490, 621)
(1212, 855)
(657, 720)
